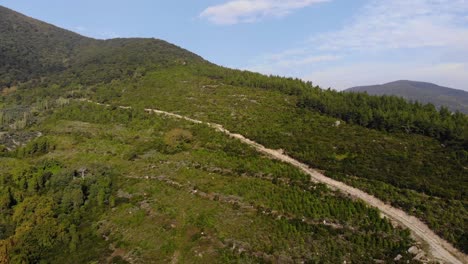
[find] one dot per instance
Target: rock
(122, 194)
(398, 257)
(420, 256)
(337, 123)
(414, 250)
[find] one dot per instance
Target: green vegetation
(133, 185)
(38, 53)
(422, 92)
(412, 163)
(81, 182)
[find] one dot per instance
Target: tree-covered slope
(117, 183)
(33, 50)
(422, 92)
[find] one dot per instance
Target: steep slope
(159, 190)
(422, 92)
(439, 248)
(30, 49)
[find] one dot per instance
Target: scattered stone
(398, 257)
(83, 171)
(122, 194)
(420, 256)
(414, 250)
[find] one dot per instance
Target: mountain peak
(31, 49)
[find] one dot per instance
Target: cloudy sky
(333, 43)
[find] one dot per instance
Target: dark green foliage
(385, 113)
(30, 48)
(39, 53)
(390, 114)
(39, 146)
(42, 215)
(422, 92)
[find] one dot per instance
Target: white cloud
(248, 11)
(385, 40)
(397, 24)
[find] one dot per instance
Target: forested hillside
(453, 99)
(32, 50)
(82, 182)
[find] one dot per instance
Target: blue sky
(333, 43)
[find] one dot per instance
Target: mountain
(90, 174)
(31, 49)
(421, 92)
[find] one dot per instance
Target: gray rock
(414, 250)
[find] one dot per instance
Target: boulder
(414, 250)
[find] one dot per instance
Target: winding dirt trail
(439, 249)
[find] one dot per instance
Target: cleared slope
(440, 249)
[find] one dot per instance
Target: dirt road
(439, 248)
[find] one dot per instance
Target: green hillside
(32, 50)
(82, 182)
(455, 100)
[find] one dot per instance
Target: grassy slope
(398, 168)
(155, 221)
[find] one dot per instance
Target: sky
(333, 43)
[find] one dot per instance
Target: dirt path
(438, 248)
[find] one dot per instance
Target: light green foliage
(154, 220)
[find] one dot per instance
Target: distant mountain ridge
(422, 92)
